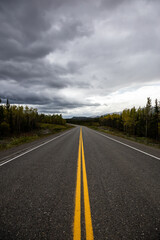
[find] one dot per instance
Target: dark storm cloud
(110, 4)
(37, 73)
(25, 98)
(58, 103)
(27, 31)
(30, 30)
(59, 106)
(22, 25)
(53, 52)
(49, 104)
(33, 73)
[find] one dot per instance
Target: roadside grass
(44, 130)
(51, 128)
(114, 132)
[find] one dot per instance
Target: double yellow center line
(87, 209)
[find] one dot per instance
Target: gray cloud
(30, 30)
(72, 53)
(33, 73)
(110, 4)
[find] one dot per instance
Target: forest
(141, 122)
(18, 119)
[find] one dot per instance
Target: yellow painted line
(87, 209)
(77, 212)
(88, 219)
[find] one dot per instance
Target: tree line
(16, 119)
(142, 122)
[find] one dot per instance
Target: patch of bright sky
(118, 101)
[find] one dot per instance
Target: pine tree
(156, 117)
(147, 113)
(1, 113)
(7, 105)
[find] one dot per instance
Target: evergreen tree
(147, 114)
(141, 122)
(1, 113)
(7, 105)
(156, 118)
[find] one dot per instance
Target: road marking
(77, 214)
(88, 220)
(87, 209)
(129, 146)
(3, 163)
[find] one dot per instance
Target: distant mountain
(80, 118)
(111, 113)
(83, 118)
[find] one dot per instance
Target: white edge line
(3, 163)
(129, 146)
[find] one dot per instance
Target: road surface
(81, 184)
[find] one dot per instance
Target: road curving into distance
(81, 185)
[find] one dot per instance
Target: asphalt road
(44, 193)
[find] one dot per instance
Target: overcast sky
(84, 57)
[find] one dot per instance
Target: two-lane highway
(82, 185)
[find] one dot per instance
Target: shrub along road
(81, 185)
